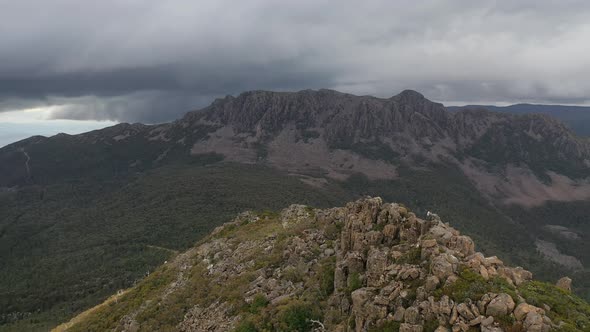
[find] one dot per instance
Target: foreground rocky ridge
(368, 266)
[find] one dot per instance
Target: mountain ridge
(576, 117)
(254, 125)
(367, 266)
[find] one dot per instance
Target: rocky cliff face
(368, 266)
(322, 134)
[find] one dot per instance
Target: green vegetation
(68, 246)
(387, 327)
(326, 277)
(354, 283)
(164, 308)
(431, 325)
(161, 302)
(471, 285)
(70, 242)
(572, 215)
(297, 317)
(410, 257)
(258, 303)
(570, 309)
(246, 326)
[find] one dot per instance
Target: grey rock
(564, 283)
(405, 327)
(432, 283)
(412, 315)
(501, 305)
(534, 322)
(398, 314)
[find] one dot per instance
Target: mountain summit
(368, 266)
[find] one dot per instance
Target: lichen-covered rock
(515, 276)
(465, 312)
(565, 283)
(500, 305)
(432, 283)
(444, 266)
(404, 327)
(536, 322)
(521, 311)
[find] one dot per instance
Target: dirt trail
(80, 317)
(172, 251)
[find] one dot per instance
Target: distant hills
(84, 215)
(575, 117)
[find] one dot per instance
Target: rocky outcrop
(359, 267)
(565, 283)
(393, 251)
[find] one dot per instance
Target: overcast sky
(151, 61)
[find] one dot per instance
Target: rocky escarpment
(368, 266)
(516, 159)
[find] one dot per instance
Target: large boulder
(501, 305)
(462, 244)
(377, 261)
(363, 308)
(444, 266)
(360, 219)
(465, 312)
(536, 322)
(412, 315)
(523, 309)
(564, 283)
(515, 276)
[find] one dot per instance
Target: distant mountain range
(575, 117)
(84, 215)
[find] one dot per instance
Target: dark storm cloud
(151, 61)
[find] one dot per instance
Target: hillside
(575, 117)
(97, 211)
(317, 134)
(368, 266)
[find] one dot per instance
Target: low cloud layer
(151, 61)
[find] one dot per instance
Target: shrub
(292, 274)
(412, 256)
(472, 285)
(296, 317)
(260, 301)
(431, 325)
(326, 276)
(332, 231)
(564, 306)
(354, 282)
(246, 326)
(387, 327)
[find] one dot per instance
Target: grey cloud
(152, 61)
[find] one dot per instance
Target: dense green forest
(67, 246)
